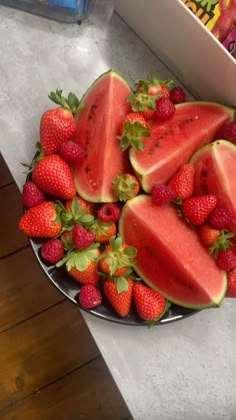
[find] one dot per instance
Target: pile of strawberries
(202, 213)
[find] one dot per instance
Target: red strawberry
(208, 235)
(149, 303)
(197, 209)
(82, 264)
(31, 195)
(81, 237)
(109, 212)
(119, 299)
(103, 231)
(220, 218)
(154, 86)
(41, 221)
(57, 125)
(177, 95)
(183, 181)
(133, 117)
(162, 194)
(165, 108)
(80, 205)
(53, 175)
(134, 129)
(125, 186)
(52, 250)
(226, 259)
(231, 283)
(89, 296)
(227, 132)
(117, 258)
(71, 151)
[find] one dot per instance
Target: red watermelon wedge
(98, 123)
(170, 256)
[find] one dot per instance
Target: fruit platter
(129, 200)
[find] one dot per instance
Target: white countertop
(184, 370)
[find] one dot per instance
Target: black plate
(70, 288)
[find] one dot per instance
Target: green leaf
(81, 261)
(131, 251)
(121, 284)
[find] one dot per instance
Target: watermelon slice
(98, 123)
(170, 257)
(215, 172)
(173, 142)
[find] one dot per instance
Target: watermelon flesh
(170, 257)
(215, 173)
(172, 142)
(98, 124)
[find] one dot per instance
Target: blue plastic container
(63, 10)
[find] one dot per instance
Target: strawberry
(52, 250)
(182, 182)
(208, 235)
(103, 231)
(162, 194)
(133, 117)
(80, 205)
(89, 296)
(143, 103)
(149, 303)
(177, 95)
(134, 129)
(231, 283)
(119, 294)
(117, 258)
(82, 264)
(125, 186)
(81, 237)
(57, 125)
(108, 212)
(42, 220)
(53, 175)
(71, 151)
(165, 108)
(226, 259)
(197, 209)
(220, 218)
(31, 195)
(154, 86)
(227, 132)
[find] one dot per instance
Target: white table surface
(184, 370)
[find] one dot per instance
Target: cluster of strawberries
(80, 235)
(211, 221)
(152, 98)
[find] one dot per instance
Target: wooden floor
(50, 367)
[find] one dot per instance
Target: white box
(185, 45)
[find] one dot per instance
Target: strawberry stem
(71, 103)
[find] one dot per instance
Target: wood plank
(89, 393)
(42, 349)
(5, 175)
(25, 289)
(10, 210)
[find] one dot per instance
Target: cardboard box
(185, 45)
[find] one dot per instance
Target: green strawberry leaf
(131, 251)
(81, 262)
(121, 284)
